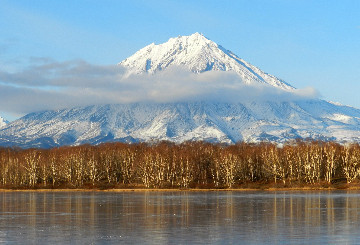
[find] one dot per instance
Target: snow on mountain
(178, 122)
(3, 122)
(198, 54)
(249, 121)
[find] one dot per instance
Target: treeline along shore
(186, 165)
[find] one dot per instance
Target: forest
(186, 165)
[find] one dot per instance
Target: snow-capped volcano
(198, 54)
(216, 121)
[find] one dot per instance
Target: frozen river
(219, 217)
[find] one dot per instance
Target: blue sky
(306, 43)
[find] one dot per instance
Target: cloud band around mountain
(47, 84)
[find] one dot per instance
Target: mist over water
(162, 217)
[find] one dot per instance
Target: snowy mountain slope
(178, 122)
(250, 121)
(198, 54)
(3, 122)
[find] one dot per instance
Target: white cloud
(47, 84)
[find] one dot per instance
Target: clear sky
(306, 43)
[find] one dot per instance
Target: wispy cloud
(47, 84)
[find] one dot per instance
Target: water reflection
(180, 217)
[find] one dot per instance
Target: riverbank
(307, 188)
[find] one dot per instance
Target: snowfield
(3, 122)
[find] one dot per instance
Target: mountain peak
(196, 37)
(197, 34)
(198, 54)
(193, 37)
